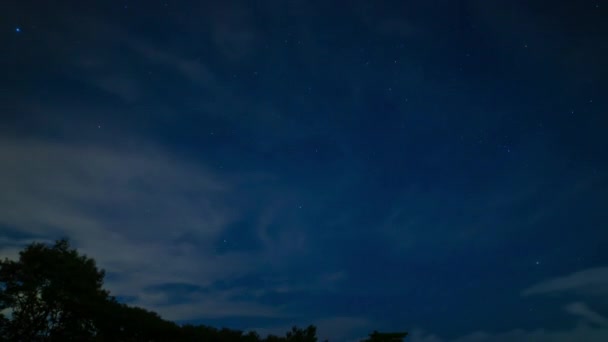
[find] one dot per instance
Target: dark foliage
(386, 337)
(54, 294)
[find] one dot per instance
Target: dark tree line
(52, 293)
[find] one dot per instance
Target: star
(18, 29)
(538, 262)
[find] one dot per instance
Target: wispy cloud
(128, 209)
(589, 315)
(592, 281)
(127, 88)
(188, 68)
(150, 219)
(118, 62)
(591, 326)
(579, 333)
(215, 305)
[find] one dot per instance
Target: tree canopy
(386, 337)
(53, 293)
(50, 293)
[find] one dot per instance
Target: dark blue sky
(431, 166)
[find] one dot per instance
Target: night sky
(439, 167)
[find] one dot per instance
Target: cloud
(579, 333)
(10, 247)
(341, 328)
(114, 65)
(147, 218)
(591, 327)
(216, 305)
(232, 30)
(191, 69)
(582, 310)
(592, 281)
(126, 88)
(119, 62)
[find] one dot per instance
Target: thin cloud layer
(582, 310)
(590, 325)
(581, 333)
(592, 281)
(152, 220)
(145, 217)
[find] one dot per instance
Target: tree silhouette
(51, 293)
(120, 322)
(386, 337)
(302, 335)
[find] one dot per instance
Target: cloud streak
(150, 219)
(130, 210)
(593, 281)
(579, 333)
(582, 310)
